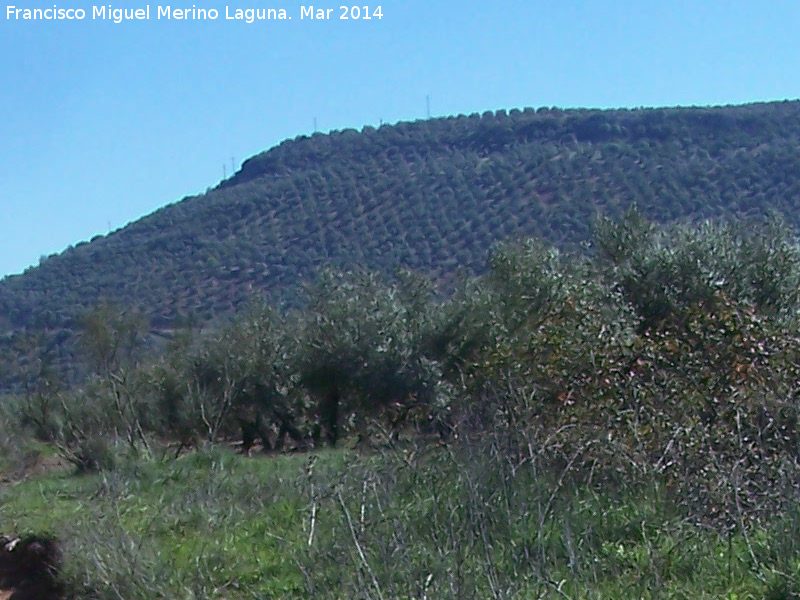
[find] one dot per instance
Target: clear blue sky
(101, 123)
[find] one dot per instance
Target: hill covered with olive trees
(432, 196)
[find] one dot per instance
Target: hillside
(431, 195)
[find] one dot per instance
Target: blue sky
(102, 123)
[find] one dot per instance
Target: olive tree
(363, 353)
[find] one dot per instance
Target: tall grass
(416, 520)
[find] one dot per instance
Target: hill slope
(430, 195)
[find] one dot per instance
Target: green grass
(433, 524)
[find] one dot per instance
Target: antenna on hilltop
(224, 173)
(315, 124)
(428, 105)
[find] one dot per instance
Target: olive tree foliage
(664, 271)
(667, 352)
(363, 350)
(711, 403)
(31, 410)
(707, 393)
(39, 384)
(239, 377)
(538, 334)
(112, 338)
(112, 405)
(490, 317)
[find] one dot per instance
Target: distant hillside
(430, 195)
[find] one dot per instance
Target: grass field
(422, 522)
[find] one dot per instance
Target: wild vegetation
(431, 196)
(615, 423)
